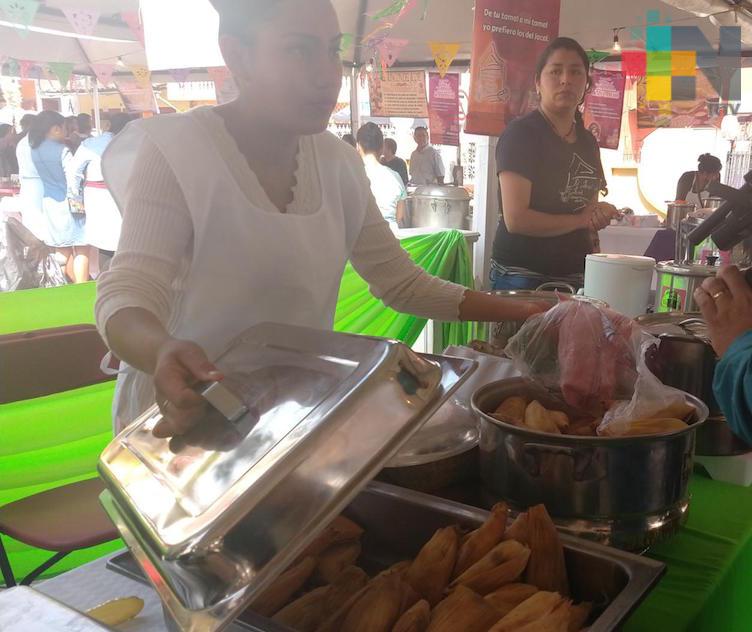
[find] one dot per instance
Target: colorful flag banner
(83, 21)
(180, 75)
(133, 20)
(103, 73)
(378, 35)
(136, 97)
(411, 4)
(443, 54)
(62, 70)
(25, 67)
(398, 93)
(444, 108)
(21, 12)
(12, 67)
(508, 37)
(142, 75)
(397, 7)
(389, 49)
(218, 74)
(346, 42)
(603, 108)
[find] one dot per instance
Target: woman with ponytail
(693, 185)
(65, 229)
(550, 175)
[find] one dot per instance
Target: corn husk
(530, 610)
(377, 608)
(512, 411)
(347, 584)
(537, 418)
(335, 559)
(463, 610)
(677, 410)
(431, 570)
(578, 616)
(283, 588)
(547, 569)
(479, 542)
(414, 619)
(518, 530)
(504, 564)
(561, 419)
(555, 621)
(340, 530)
(306, 613)
(400, 568)
(508, 597)
(638, 427)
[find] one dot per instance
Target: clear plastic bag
(594, 359)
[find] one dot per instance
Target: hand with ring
(726, 304)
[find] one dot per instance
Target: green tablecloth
(708, 585)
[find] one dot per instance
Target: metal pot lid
(303, 420)
(688, 324)
(437, 442)
(687, 269)
(444, 191)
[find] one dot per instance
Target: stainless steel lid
(675, 324)
(307, 419)
(441, 191)
(686, 269)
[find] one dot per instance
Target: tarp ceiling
(194, 43)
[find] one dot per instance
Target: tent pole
(354, 102)
(360, 27)
(97, 121)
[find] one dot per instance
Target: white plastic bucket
(622, 281)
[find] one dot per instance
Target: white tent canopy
(194, 43)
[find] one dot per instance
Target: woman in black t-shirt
(693, 185)
(550, 174)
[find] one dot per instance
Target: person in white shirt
(426, 166)
(386, 185)
(88, 191)
(247, 213)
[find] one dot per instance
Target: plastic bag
(593, 357)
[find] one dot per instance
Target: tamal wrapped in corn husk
(530, 610)
(339, 530)
(463, 610)
(283, 588)
(555, 621)
(335, 559)
(479, 542)
(377, 608)
(508, 597)
(306, 613)
(504, 564)
(414, 619)
(431, 570)
(547, 568)
(347, 583)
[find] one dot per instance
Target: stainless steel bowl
(627, 492)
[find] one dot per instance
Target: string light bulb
(617, 45)
(120, 62)
(369, 65)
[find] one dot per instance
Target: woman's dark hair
(42, 124)
(118, 121)
(708, 163)
(370, 138)
(565, 43)
(392, 145)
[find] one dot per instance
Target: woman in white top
(248, 212)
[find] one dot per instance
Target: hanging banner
(133, 20)
(20, 12)
(25, 67)
(398, 94)
(443, 55)
(389, 49)
(62, 70)
(142, 75)
(83, 21)
(508, 37)
(652, 114)
(604, 105)
(136, 97)
(444, 108)
(103, 73)
(396, 7)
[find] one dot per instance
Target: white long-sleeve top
(204, 249)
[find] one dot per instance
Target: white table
(626, 240)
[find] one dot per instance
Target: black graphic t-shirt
(565, 178)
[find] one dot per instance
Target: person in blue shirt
(726, 305)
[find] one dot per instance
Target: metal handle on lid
(221, 398)
(555, 286)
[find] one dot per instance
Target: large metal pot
(439, 206)
(677, 283)
(498, 333)
(677, 211)
(627, 492)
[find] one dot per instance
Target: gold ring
(715, 295)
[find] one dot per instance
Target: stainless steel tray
(305, 419)
(398, 522)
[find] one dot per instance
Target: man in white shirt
(426, 166)
(386, 185)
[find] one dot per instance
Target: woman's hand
(180, 366)
(726, 304)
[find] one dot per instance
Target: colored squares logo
(658, 88)
(683, 63)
